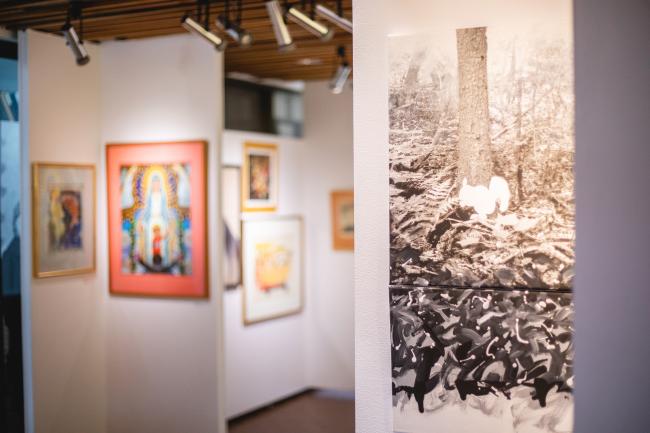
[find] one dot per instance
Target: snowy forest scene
(469, 360)
(481, 151)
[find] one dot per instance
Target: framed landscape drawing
(231, 210)
(63, 197)
(342, 203)
(259, 178)
(272, 272)
(482, 222)
(157, 219)
(481, 155)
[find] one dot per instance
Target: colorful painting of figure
(65, 221)
(156, 220)
(259, 177)
(259, 182)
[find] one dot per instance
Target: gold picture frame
(342, 210)
(72, 256)
(250, 268)
(259, 177)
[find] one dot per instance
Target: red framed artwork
(157, 216)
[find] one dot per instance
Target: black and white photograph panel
(494, 361)
(481, 157)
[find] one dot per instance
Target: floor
(310, 412)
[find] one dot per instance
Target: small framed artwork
(342, 203)
(272, 271)
(157, 219)
(259, 178)
(63, 200)
(231, 210)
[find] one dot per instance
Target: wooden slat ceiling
(106, 20)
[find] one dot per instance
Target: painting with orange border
(342, 203)
(157, 219)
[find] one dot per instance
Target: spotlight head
(280, 29)
(312, 26)
(75, 44)
(334, 18)
(342, 72)
(236, 33)
(340, 78)
(193, 27)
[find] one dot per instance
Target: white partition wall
(271, 360)
(114, 364)
(67, 315)
(330, 285)
(163, 355)
(264, 361)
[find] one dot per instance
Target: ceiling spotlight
(337, 83)
(75, 44)
(233, 27)
(334, 17)
(70, 34)
(236, 33)
(282, 35)
(312, 26)
(193, 27)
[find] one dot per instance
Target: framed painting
(157, 219)
(63, 207)
(231, 210)
(342, 203)
(272, 272)
(259, 178)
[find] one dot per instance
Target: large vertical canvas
(272, 254)
(481, 155)
(231, 210)
(342, 203)
(63, 197)
(157, 219)
(482, 216)
(260, 177)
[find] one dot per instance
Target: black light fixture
(308, 21)
(192, 26)
(280, 29)
(336, 18)
(74, 41)
(233, 28)
(337, 83)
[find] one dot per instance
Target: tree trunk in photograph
(474, 156)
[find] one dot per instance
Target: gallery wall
(151, 364)
(270, 360)
(264, 361)
(163, 355)
(329, 334)
(67, 316)
(611, 233)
